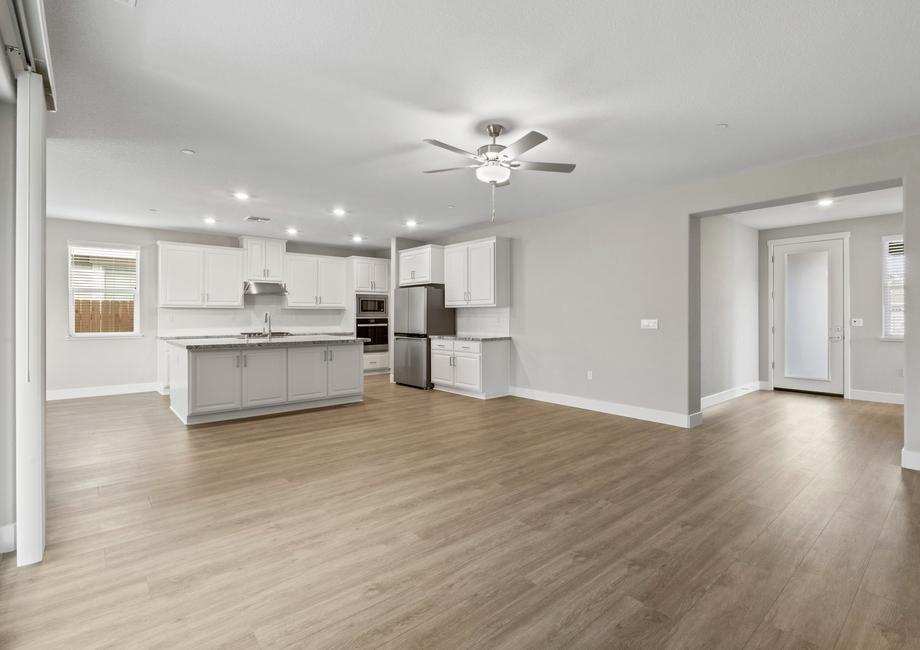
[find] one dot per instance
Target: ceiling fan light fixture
(493, 172)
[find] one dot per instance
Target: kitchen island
(215, 379)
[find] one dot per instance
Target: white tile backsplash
(484, 320)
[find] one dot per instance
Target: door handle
(245, 363)
(325, 355)
(834, 338)
(237, 361)
(331, 356)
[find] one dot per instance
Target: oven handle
(374, 325)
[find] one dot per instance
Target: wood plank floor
(421, 519)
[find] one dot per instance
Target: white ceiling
(853, 206)
(308, 105)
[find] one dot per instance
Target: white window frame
(137, 293)
(887, 239)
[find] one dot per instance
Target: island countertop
(234, 342)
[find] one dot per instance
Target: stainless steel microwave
(371, 306)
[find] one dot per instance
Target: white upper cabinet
(477, 273)
(421, 265)
(200, 276)
(315, 282)
(264, 258)
(371, 275)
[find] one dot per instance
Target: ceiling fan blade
(526, 143)
(444, 145)
(448, 169)
(506, 183)
(543, 167)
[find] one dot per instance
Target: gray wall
(77, 363)
(7, 313)
(728, 305)
(876, 365)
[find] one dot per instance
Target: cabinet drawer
(468, 346)
(442, 344)
(376, 360)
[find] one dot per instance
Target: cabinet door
(381, 277)
(306, 368)
(467, 371)
(214, 381)
(181, 276)
(255, 259)
(274, 260)
(264, 377)
(442, 372)
(346, 373)
(223, 277)
(301, 278)
(456, 275)
(407, 267)
(481, 273)
(331, 286)
(364, 275)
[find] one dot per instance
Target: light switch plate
(649, 323)
(856, 322)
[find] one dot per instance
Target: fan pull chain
(493, 200)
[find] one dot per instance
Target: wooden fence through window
(97, 316)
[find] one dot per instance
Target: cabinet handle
(331, 355)
(325, 355)
(237, 361)
(245, 363)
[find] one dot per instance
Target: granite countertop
(235, 333)
(472, 337)
(230, 343)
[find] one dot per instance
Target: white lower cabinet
(264, 377)
(346, 371)
(374, 361)
(442, 367)
(214, 381)
(468, 371)
(475, 368)
(306, 370)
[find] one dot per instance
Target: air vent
(252, 217)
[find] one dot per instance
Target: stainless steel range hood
(260, 288)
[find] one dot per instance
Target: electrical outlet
(856, 322)
(590, 375)
(648, 323)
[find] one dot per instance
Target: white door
(346, 369)
(264, 377)
(300, 279)
(306, 369)
(364, 272)
(808, 316)
(456, 275)
(482, 273)
(274, 260)
(181, 276)
(223, 277)
(442, 369)
(255, 259)
(408, 267)
(467, 371)
(381, 279)
(215, 381)
(331, 282)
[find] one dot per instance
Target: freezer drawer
(411, 362)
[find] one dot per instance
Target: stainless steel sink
(263, 335)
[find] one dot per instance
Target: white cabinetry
(199, 276)
(476, 273)
(371, 275)
(264, 377)
(307, 373)
(421, 265)
(475, 368)
(264, 258)
(346, 372)
(376, 361)
(315, 282)
(214, 381)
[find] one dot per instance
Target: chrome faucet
(268, 321)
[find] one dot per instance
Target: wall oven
(371, 306)
(375, 329)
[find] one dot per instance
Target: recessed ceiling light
(357, 239)
(411, 223)
(189, 152)
(450, 206)
(292, 231)
(722, 125)
(339, 212)
(210, 221)
(240, 195)
(825, 202)
(152, 210)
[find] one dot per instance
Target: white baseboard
(875, 396)
(7, 538)
(99, 391)
(725, 395)
(910, 459)
(625, 410)
(765, 385)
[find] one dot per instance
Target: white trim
(725, 395)
(875, 396)
(468, 393)
(7, 538)
(847, 332)
(910, 459)
(100, 391)
(765, 385)
(625, 410)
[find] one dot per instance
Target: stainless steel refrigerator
(419, 313)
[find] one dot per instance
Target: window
(893, 287)
(103, 290)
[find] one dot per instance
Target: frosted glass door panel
(807, 315)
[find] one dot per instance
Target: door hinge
(772, 259)
(772, 364)
(772, 329)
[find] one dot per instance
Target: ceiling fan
(495, 162)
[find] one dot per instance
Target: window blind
(103, 290)
(893, 287)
